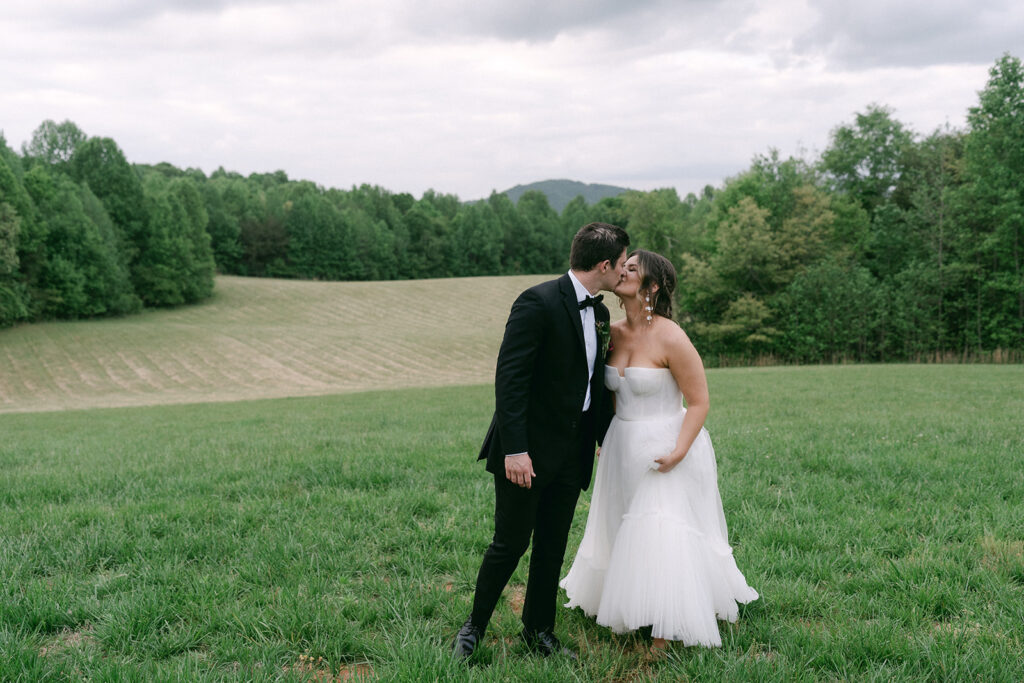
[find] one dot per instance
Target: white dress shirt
(589, 333)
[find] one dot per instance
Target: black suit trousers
(545, 512)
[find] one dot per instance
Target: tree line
(890, 245)
(83, 233)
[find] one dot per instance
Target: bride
(655, 550)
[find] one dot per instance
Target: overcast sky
(469, 96)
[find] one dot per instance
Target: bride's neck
(636, 316)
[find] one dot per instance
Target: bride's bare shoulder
(670, 331)
(672, 336)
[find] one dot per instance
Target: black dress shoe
(466, 640)
(545, 643)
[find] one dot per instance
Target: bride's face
(629, 285)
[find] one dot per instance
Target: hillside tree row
(891, 245)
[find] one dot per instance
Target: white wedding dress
(655, 551)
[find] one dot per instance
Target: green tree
(268, 181)
(936, 238)
(9, 157)
(864, 160)
(806, 233)
(744, 328)
(513, 234)
(158, 268)
(610, 210)
(261, 223)
(223, 228)
(232, 219)
(166, 271)
(865, 163)
(12, 191)
(770, 181)
(319, 244)
(29, 240)
(383, 208)
(100, 164)
(542, 249)
(371, 244)
(9, 228)
(429, 240)
(447, 205)
(574, 216)
(198, 283)
(476, 241)
(120, 294)
(702, 292)
(656, 222)
(829, 313)
(747, 255)
(993, 202)
(54, 143)
(82, 275)
(12, 298)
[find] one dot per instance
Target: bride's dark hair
(655, 269)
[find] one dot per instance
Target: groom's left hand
(519, 469)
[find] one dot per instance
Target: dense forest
(891, 245)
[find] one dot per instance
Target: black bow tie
(591, 301)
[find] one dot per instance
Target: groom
(551, 408)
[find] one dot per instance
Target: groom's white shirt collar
(581, 291)
(589, 332)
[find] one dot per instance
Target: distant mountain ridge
(560, 192)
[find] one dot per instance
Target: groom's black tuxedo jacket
(540, 384)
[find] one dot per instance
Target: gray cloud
(114, 14)
(880, 33)
(530, 20)
(466, 97)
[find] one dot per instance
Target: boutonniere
(604, 333)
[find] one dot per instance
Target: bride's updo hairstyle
(655, 269)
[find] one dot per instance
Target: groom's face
(615, 272)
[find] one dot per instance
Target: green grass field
(877, 509)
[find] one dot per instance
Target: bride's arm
(688, 369)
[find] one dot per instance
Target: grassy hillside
(262, 338)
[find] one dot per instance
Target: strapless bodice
(644, 393)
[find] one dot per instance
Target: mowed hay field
(263, 338)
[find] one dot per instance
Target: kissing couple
(655, 551)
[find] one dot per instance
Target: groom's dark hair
(596, 242)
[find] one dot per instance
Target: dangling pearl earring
(648, 308)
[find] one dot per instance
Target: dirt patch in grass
(320, 671)
(516, 598)
(1002, 555)
(68, 640)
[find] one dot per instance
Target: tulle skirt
(655, 551)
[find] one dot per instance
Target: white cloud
(467, 97)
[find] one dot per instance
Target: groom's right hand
(519, 469)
